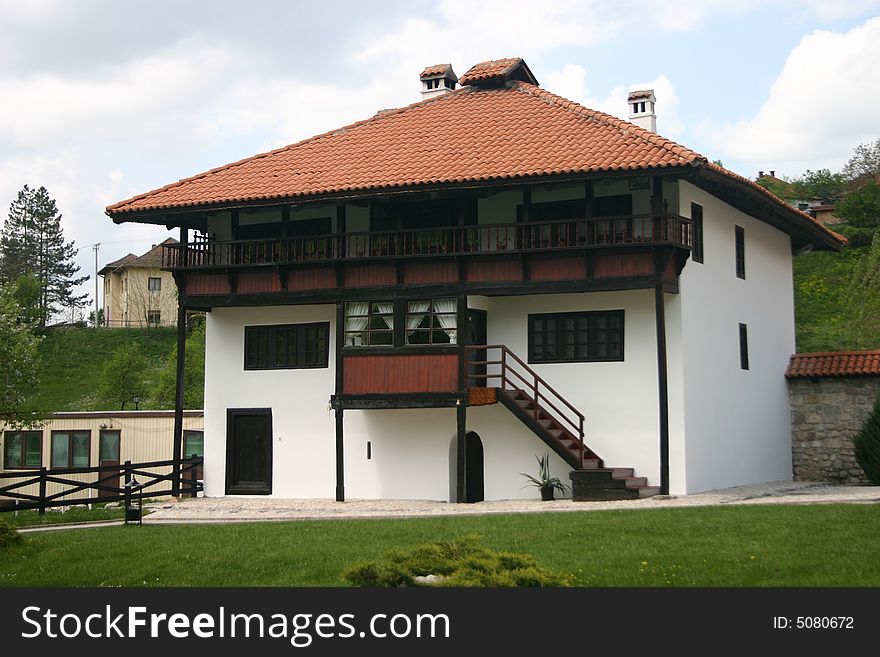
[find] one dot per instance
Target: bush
(8, 535)
(867, 445)
(461, 562)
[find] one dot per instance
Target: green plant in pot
(544, 482)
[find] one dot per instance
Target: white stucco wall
(619, 399)
(736, 422)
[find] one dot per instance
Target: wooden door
(249, 451)
(108, 455)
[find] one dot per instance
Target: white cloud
(822, 104)
(571, 82)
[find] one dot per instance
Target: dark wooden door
(108, 455)
(473, 467)
(476, 334)
(249, 451)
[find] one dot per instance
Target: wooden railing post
(127, 469)
(43, 491)
(193, 482)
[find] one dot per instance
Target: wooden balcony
(481, 240)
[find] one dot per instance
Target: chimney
(772, 173)
(438, 80)
(641, 109)
(760, 174)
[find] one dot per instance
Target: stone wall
(826, 413)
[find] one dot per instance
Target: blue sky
(105, 99)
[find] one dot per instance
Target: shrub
(8, 535)
(461, 562)
(867, 445)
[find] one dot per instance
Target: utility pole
(95, 248)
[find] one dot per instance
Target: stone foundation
(826, 413)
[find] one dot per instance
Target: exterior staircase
(554, 420)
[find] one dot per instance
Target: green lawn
(75, 514)
(816, 545)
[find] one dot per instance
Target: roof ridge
(382, 114)
(846, 352)
(615, 122)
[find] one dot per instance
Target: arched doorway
(473, 467)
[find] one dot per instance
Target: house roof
(641, 93)
(438, 70)
(152, 259)
(499, 126)
(834, 363)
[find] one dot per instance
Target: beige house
(94, 438)
(137, 293)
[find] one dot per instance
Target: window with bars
(71, 449)
(740, 252)
(22, 449)
(289, 346)
(576, 337)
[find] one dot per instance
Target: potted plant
(544, 482)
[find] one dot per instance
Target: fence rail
(70, 483)
(594, 232)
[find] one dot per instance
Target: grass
(815, 545)
(71, 361)
(74, 514)
(821, 279)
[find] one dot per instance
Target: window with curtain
(576, 337)
(369, 323)
(70, 449)
(431, 322)
(22, 449)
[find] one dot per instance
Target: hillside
(71, 360)
(820, 282)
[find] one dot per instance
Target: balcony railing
(596, 232)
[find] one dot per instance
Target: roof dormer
(497, 72)
(438, 80)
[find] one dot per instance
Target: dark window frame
(154, 317)
(270, 334)
(23, 450)
(70, 435)
(188, 453)
(740, 239)
(151, 287)
(559, 331)
(398, 332)
(698, 254)
(743, 346)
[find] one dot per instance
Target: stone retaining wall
(826, 413)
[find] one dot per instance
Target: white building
(138, 292)
(641, 295)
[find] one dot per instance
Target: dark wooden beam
(179, 383)
(460, 453)
(662, 387)
(340, 424)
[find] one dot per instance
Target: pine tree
(32, 243)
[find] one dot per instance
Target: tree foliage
(863, 298)
(165, 389)
(32, 243)
(867, 445)
(822, 184)
(865, 162)
(122, 376)
(861, 207)
(18, 361)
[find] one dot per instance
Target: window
(431, 322)
(740, 253)
(743, 347)
(194, 445)
(697, 218)
(154, 317)
(22, 449)
(291, 346)
(70, 449)
(154, 284)
(576, 337)
(369, 323)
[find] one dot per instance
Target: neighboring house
(419, 304)
(819, 208)
(137, 292)
(94, 438)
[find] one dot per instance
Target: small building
(138, 293)
(95, 438)
(418, 304)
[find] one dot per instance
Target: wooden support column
(180, 381)
(461, 405)
(662, 386)
(340, 425)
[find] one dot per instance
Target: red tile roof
(495, 68)
(486, 134)
(834, 363)
(642, 93)
(436, 69)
